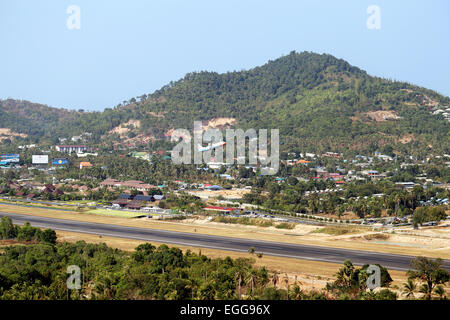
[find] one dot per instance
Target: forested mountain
(30, 118)
(318, 102)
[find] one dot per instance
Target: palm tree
(275, 278)
(193, 286)
(296, 292)
(430, 272)
(296, 282)
(424, 289)
(440, 291)
(397, 200)
(238, 279)
(340, 211)
(286, 281)
(385, 201)
(251, 279)
(409, 288)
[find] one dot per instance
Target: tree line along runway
(298, 251)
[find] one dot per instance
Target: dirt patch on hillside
(406, 138)
(212, 194)
(185, 137)
(122, 129)
(156, 100)
(429, 102)
(219, 123)
(216, 123)
(382, 115)
(160, 115)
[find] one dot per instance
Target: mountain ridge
(317, 101)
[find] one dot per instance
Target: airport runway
(298, 251)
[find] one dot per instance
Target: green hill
(318, 102)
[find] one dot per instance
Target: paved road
(316, 253)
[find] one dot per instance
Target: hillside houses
(444, 111)
(373, 174)
(332, 154)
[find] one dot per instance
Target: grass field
(37, 205)
(115, 213)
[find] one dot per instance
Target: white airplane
(211, 147)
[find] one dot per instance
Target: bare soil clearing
(6, 133)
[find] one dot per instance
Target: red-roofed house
(85, 165)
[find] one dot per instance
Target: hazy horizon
(123, 50)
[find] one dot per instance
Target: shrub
(285, 225)
(28, 233)
(7, 229)
(426, 214)
(48, 235)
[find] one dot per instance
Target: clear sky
(126, 48)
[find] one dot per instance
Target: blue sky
(126, 48)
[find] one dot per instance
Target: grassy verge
(376, 236)
(254, 222)
(338, 230)
(244, 221)
(285, 225)
(24, 203)
(115, 213)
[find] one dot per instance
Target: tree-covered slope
(30, 118)
(318, 102)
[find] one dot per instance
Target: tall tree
(430, 272)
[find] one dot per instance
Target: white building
(72, 148)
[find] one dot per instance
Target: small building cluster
(136, 202)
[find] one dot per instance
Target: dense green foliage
(351, 283)
(26, 233)
(426, 214)
(32, 119)
(40, 272)
(357, 196)
(432, 275)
